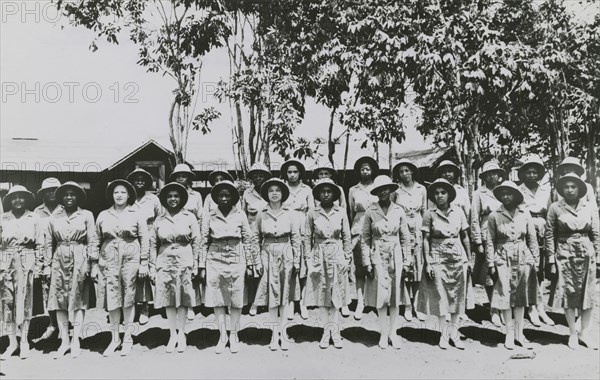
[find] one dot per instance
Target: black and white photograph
(299, 189)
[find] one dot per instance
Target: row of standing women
(281, 241)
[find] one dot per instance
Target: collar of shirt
(295, 192)
(442, 214)
(518, 210)
(409, 190)
(11, 216)
(376, 207)
(569, 208)
(216, 212)
(113, 211)
(333, 211)
(62, 211)
(182, 213)
(274, 214)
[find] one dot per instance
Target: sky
(54, 86)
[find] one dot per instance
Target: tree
(172, 37)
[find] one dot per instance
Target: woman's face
(18, 202)
(224, 197)
(120, 195)
(507, 198)
(293, 174)
(258, 179)
(491, 179)
(219, 178)
(365, 171)
(274, 193)
(139, 181)
(448, 173)
(182, 179)
(70, 198)
(50, 196)
(326, 195)
(570, 191)
(440, 196)
(531, 175)
(173, 199)
(323, 173)
(405, 173)
(384, 194)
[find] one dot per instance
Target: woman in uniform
(536, 199)
(359, 199)
(174, 252)
(328, 254)
(278, 235)
(49, 204)
(252, 203)
(148, 206)
(386, 254)
(573, 247)
(72, 233)
(447, 252)
(299, 201)
(183, 175)
(512, 261)
(412, 197)
(123, 243)
(20, 262)
(484, 202)
(228, 254)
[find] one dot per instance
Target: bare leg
(360, 298)
(274, 319)
(234, 341)
(144, 313)
(130, 328)
(24, 340)
(181, 338)
(285, 339)
(384, 326)
(63, 328)
(50, 329)
(519, 325)
(11, 330)
(336, 334)
(172, 321)
(453, 331)
(573, 339)
(444, 334)
(509, 338)
(114, 317)
(586, 335)
(220, 315)
(394, 338)
(79, 316)
(494, 313)
(324, 318)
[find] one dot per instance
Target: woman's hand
(370, 271)
(194, 272)
(480, 249)
(94, 271)
(493, 273)
(552, 272)
(202, 275)
(259, 270)
(429, 270)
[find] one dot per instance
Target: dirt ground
(419, 357)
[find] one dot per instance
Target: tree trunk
(252, 132)
(240, 136)
(391, 158)
(343, 179)
(330, 142)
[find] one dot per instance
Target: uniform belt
(327, 241)
(538, 215)
(18, 249)
(231, 240)
(69, 242)
(276, 239)
(574, 235)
